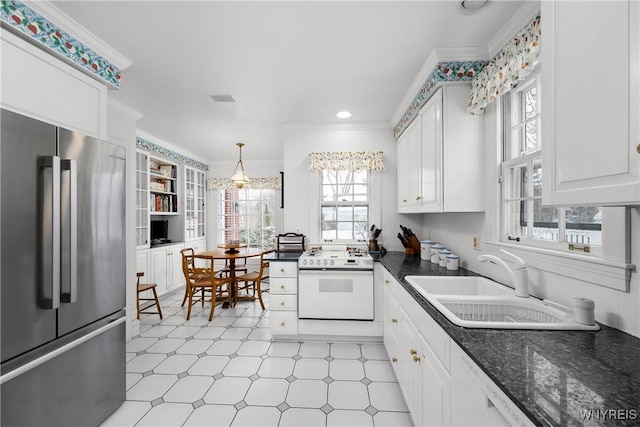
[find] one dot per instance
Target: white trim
(609, 274)
(52, 13)
(436, 55)
(125, 109)
(516, 23)
(335, 126)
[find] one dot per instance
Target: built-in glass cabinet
(195, 182)
(142, 199)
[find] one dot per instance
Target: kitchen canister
(453, 262)
(584, 311)
(442, 257)
(425, 249)
(435, 249)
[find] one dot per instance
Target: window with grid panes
(247, 215)
(525, 219)
(344, 206)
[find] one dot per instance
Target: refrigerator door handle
(50, 232)
(69, 232)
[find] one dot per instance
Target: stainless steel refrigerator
(63, 278)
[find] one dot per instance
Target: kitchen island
(555, 378)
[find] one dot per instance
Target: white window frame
(516, 157)
(221, 214)
(611, 270)
(364, 204)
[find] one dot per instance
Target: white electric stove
(335, 284)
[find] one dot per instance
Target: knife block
(413, 247)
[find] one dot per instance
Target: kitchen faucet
(518, 275)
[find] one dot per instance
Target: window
(344, 205)
(525, 218)
(247, 215)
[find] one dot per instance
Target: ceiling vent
(223, 98)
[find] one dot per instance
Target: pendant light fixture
(239, 178)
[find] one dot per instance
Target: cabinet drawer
(280, 285)
(284, 322)
(283, 269)
(283, 303)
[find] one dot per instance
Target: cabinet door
(431, 154)
(591, 133)
(159, 268)
(174, 259)
(142, 200)
(433, 402)
(408, 369)
(142, 264)
(403, 172)
(414, 188)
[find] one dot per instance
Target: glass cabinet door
(142, 200)
(194, 204)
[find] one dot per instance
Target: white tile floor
(228, 372)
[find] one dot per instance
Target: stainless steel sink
(476, 302)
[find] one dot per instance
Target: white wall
(299, 141)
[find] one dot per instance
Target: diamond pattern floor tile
(229, 372)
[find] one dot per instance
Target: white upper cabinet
(591, 93)
(441, 156)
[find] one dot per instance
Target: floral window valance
(514, 63)
(346, 160)
(272, 183)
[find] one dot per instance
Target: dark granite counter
(557, 378)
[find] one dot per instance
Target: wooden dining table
(231, 257)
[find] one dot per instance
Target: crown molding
(522, 18)
(335, 126)
(55, 15)
(472, 53)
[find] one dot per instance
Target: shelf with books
(163, 195)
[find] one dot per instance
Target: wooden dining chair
(190, 253)
(253, 281)
(143, 287)
(240, 266)
(203, 280)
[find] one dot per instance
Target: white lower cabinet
(476, 400)
(440, 383)
(166, 267)
(283, 287)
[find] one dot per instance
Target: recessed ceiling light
(343, 115)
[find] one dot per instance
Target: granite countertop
(285, 256)
(552, 376)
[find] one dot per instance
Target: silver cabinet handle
(69, 231)
(49, 200)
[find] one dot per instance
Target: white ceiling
(282, 61)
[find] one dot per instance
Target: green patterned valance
(513, 64)
(170, 154)
(346, 160)
(272, 183)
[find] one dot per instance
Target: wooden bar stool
(142, 287)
